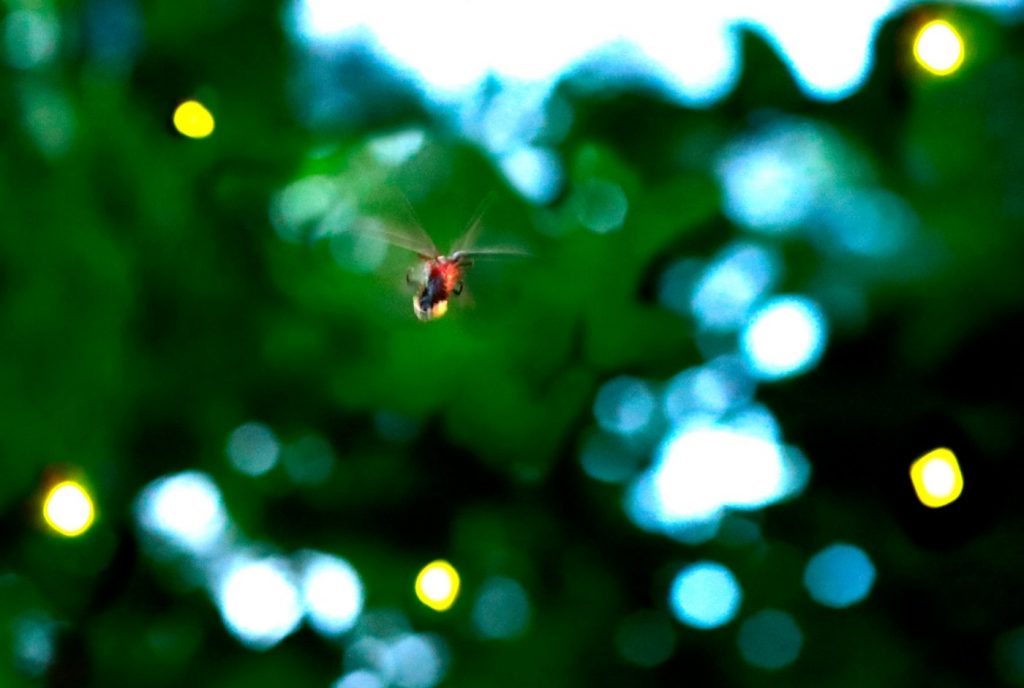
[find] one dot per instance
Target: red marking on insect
(442, 280)
(440, 276)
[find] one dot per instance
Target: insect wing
(491, 252)
(465, 243)
(410, 238)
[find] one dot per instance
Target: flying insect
(439, 276)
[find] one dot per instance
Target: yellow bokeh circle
(937, 478)
(193, 120)
(68, 509)
(437, 585)
(939, 48)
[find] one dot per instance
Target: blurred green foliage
(147, 308)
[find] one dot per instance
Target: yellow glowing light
(937, 478)
(939, 48)
(192, 119)
(68, 509)
(437, 585)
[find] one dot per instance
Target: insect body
(443, 280)
(440, 276)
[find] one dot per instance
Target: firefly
(439, 276)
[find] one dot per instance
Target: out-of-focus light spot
(796, 472)
(676, 284)
(502, 609)
(762, 191)
(709, 464)
(624, 405)
(937, 478)
(49, 118)
(705, 595)
(607, 458)
(113, 30)
(305, 202)
(643, 506)
(30, 38)
(325, 208)
(437, 585)
(371, 654)
(731, 284)
(770, 639)
(714, 388)
(360, 251)
(253, 448)
(309, 460)
(513, 112)
(536, 173)
(332, 593)
(193, 120)
(68, 509)
(394, 657)
(600, 205)
(756, 420)
(259, 602)
(33, 644)
(839, 576)
(701, 470)
(645, 638)
(939, 48)
(397, 148)
(383, 624)
(360, 678)
(320, 21)
(868, 222)
(772, 180)
(785, 337)
(185, 509)
(417, 661)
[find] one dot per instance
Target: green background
(148, 307)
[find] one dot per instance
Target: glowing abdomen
(432, 300)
